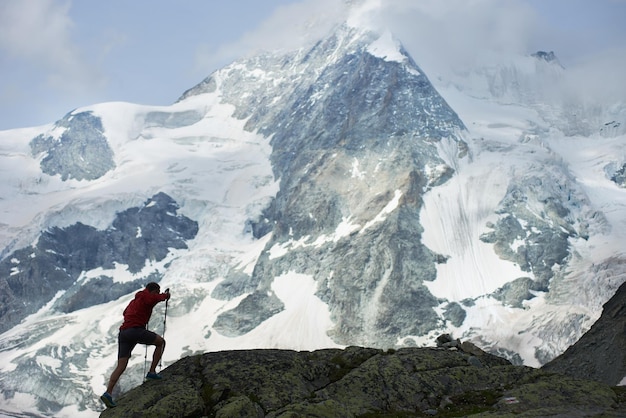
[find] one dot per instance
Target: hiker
(134, 331)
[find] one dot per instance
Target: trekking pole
(164, 324)
(145, 361)
(165, 316)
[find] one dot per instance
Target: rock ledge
(453, 380)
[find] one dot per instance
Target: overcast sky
(57, 55)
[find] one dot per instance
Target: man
(134, 331)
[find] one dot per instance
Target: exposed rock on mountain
(619, 176)
(32, 276)
(601, 353)
(354, 136)
(547, 56)
(359, 382)
(79, 150)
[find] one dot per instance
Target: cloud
(599, 77)
(437, 33)
(35, 30)
(457, 33)
(38, 34)
(290, 26)
(456, 36)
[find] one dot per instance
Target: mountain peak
(370, 60)
(549, 57)
(388, 48)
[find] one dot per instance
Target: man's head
(153, 287)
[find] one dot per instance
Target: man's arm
(158, 297)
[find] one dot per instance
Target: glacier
(469, 202)
(341, 197)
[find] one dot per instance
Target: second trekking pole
(164, 324)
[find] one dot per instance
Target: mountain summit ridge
(364, 106)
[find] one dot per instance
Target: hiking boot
(153, 376)
(108, 400)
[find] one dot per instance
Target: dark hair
(152, 286)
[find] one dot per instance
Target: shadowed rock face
(33, 275)
(600, 353)
(363, 382)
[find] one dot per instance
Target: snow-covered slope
(316, 198)
(217, 172)
(513, 144)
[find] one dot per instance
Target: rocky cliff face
(355, 135)
(78, 149)
(357, 382)
(34, 276)
(599, 354)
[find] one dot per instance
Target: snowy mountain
(323, 197)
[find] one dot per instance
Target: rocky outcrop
(32, 276)
(538, 242)
(618, 176)
(455, 379)
(599, 354)
(80, 152)
(547, 57)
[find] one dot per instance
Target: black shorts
(128, 338)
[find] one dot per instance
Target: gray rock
(362, 381)
(82, 152)
(619, 176)
(516, 292)
(454, 313)
(171, 120)
(253, 309)
(32, 276)
(600, 353)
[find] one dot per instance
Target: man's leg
(115, 376)
(124, 348)
(159, 344)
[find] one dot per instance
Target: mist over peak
(547, 56)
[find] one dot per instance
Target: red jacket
(138, 311)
